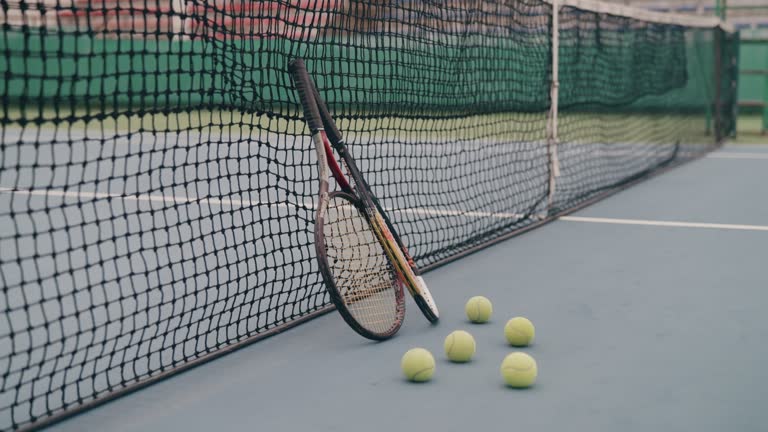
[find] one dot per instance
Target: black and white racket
(363, 261)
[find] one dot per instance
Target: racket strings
(363, 274)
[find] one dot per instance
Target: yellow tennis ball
(459, 346)
(478, 309)
(519, 370)
(418, 365)
(519, 331)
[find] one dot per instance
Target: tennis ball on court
(418, 365)
(519, 370)
(519, 331)
(459, 346)
(478, 309)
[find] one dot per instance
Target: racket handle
(301, 79)
(432, 314)
(334, 135)
(421, 282)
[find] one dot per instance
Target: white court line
(171, 199)
(440, 212)
(735, 155)
(665, 223)
(240, 203)
(419, 211)
(168, 199)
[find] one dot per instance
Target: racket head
(362, 282)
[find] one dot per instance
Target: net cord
(646, 15)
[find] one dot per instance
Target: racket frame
(406, 266)
(328, 165)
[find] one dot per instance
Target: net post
(708, 119)
(718, 123)
(733, 71)
(552, 137)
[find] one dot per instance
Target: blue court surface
(649, 310)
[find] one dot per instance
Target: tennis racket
(419, 290)
(363, 261)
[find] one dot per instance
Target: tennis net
(157, 182)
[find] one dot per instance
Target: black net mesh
(634, 96)
(157, 182)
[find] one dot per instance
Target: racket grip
(301, 79)
(334, 135)
(421, 281)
